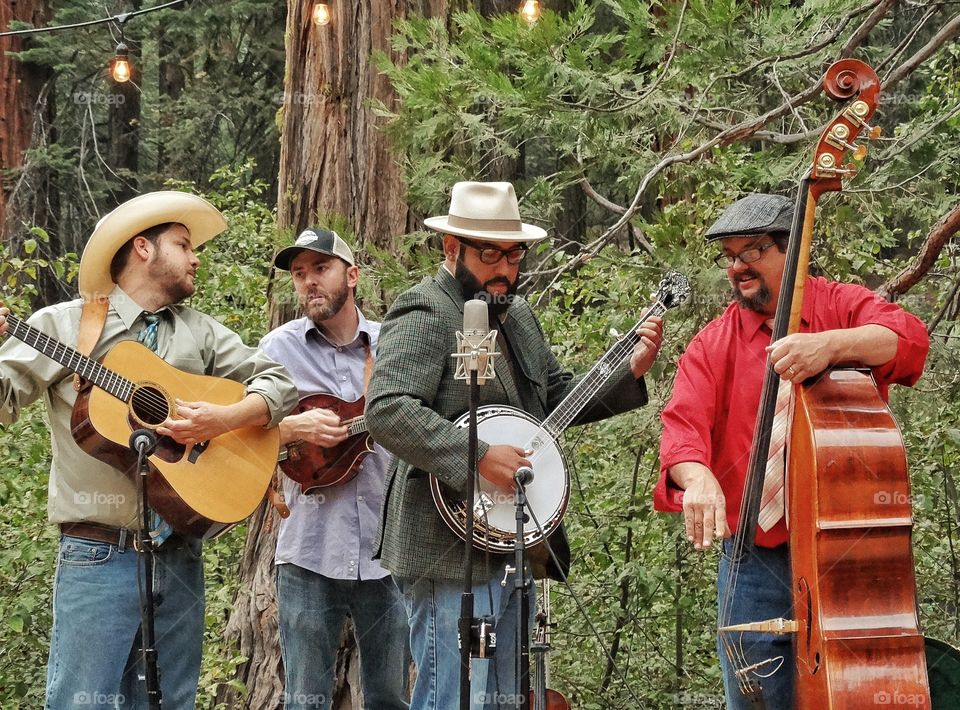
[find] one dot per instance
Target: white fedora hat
(485, 210)
(202, 219)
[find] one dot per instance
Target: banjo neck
(591, 383)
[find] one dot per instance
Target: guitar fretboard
(104, 378)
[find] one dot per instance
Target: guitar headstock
(844, 80)
(673, 289)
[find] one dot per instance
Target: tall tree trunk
(334, 161)
(28, 195)
(334, 158)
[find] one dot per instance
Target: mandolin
(315, 466)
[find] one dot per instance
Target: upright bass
(857, 640)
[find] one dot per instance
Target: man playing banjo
(412, 403)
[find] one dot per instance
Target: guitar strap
(92, 319)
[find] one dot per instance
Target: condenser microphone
(477, 344)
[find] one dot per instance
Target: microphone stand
(521, 584)
(144, 442)
(466, 600)
(475, 352)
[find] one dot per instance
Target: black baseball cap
(322, 241)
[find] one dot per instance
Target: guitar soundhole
(149, 405)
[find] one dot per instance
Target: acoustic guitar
(201, 490)
(315, 466)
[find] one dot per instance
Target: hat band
(485, 225)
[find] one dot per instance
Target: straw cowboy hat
(487, 211)
(202, 219)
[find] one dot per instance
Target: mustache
(498, 280)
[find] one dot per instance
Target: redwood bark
(334, 157)
(21, 86)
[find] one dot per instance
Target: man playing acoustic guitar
(325, 566)
(140, 261)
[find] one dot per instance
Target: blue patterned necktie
(148, 334)
(160, 528)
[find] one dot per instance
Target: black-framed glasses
(493, 255)
(747, 256)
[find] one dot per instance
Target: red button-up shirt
(711, 416)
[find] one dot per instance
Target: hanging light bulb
(321, 14)
(530, 11)
(121, 64)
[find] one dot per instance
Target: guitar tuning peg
(860, 152)
(874, 132)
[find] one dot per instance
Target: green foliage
(206, 86)
(611, 92)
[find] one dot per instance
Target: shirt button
(360, 499)
(343, 379)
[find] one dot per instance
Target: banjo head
(495, 515)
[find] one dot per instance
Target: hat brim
(201, 219)
(529, 232)
(285, 256)
(759, 232)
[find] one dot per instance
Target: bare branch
(856, 39)
(942, 232)
(900, 48)
(946, 33)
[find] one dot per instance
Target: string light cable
(118, 19)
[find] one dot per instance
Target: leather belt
(99, 533)
(121, 537)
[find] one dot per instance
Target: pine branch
(942, 232)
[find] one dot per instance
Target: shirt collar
(363, 328)
(128, 309)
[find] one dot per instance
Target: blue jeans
(95, 643)
(312, 609)
(434, 610)
(763, 591)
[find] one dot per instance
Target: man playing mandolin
(413, 401)
(325, 566)
(140, 262)
(708, 425)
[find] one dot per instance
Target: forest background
(626, 125)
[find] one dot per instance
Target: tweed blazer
(413, 399)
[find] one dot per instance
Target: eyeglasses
(747, 256)
(493, 255)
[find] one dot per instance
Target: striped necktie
(772, 506)
(160, 528)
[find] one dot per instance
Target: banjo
(548, 493)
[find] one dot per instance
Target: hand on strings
(500, 464)
(315, 426)
(4, 312)
(704, 505)
(799, 356)
(645, 351)
(196, 422)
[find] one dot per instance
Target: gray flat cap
(754, 214)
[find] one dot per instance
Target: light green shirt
(82, 488)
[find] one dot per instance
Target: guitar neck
(104, 378)
(593, 381)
